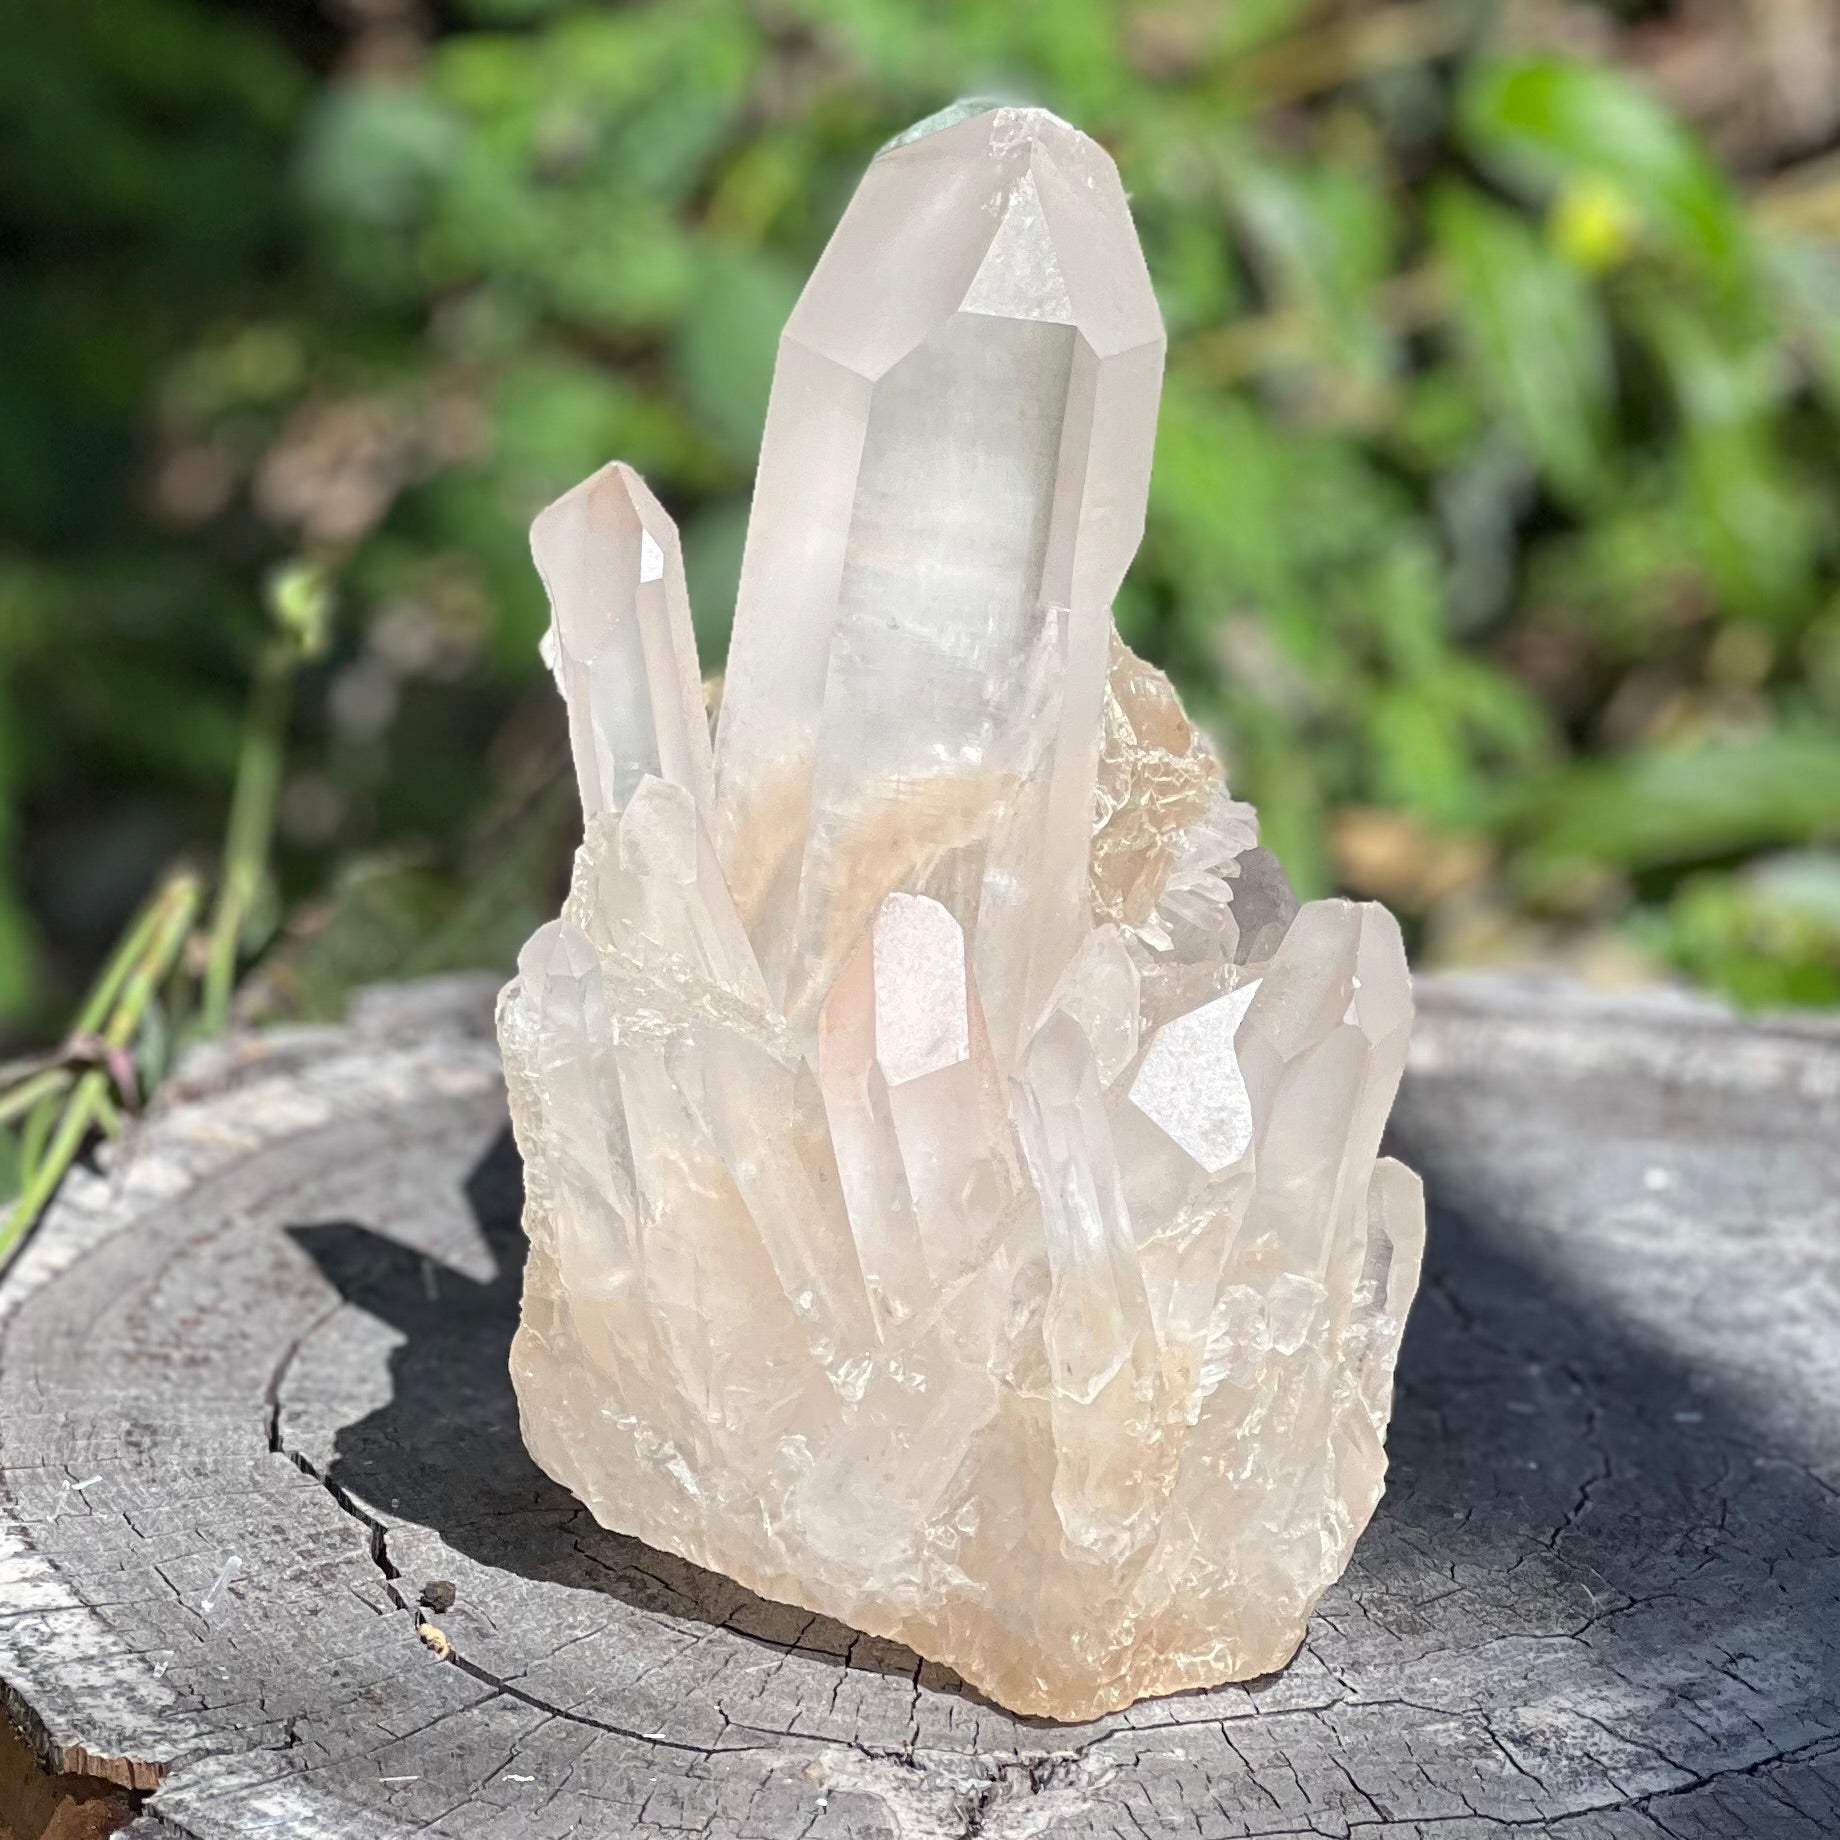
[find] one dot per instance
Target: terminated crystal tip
(620, 644)
(951, 1155)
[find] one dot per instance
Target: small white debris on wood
(228, 1570)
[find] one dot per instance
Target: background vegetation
(1492, 529)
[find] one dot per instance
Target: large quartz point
(952, 1157)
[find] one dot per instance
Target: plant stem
(251, 827)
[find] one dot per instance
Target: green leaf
(557, 418)
(1407, 605)
(1766, 936)
(1250, 24)
(646, 95)
(1217, 499)
(727, 341)
(1535, 331)
(1324, 238)
(1191, 262)
(1251, 515)
(1753, 526)
(1419, 758)
(609, 262)
(1547, 122)
(375, 152)
(1444, 743)
(1673, 806)
(1804, 276)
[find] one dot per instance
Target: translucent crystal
(951, 485)
(620, 643)
(951, 1155)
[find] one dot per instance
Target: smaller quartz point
(951, 1152)
(620, 643)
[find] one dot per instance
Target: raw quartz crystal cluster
(952, 1155)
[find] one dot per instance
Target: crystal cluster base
(952, 1155)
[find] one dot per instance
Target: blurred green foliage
(1489, 531)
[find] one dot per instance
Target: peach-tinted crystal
(951, 1154)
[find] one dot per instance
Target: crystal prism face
(952, 1156)
(952, 482)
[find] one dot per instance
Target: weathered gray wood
(1600, 1599)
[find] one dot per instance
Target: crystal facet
(951, 484)
(951, 1154)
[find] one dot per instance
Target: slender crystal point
(916, 1105)
(951, 1154)
(620, 641)
(951, 485)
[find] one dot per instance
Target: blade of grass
(44, 1077)
(35, 1134)
(178, 908)
(127, 954)
(48, 1083)
(134, 980)
(251, 826)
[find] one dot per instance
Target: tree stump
(275, 1562)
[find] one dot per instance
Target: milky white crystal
(952, 1157)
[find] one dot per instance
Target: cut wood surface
(273, 1558)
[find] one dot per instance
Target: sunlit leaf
(1535, 330)
(1419, 758)
(1547, 122)
(1682, 805)
(1407, 603)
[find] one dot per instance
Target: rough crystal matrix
(952, 1164)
